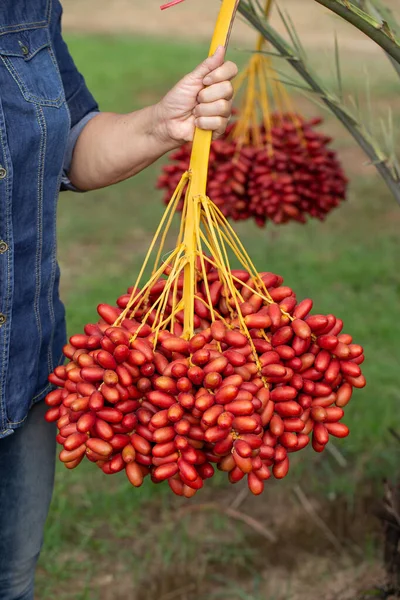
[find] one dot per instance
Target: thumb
(207, 66)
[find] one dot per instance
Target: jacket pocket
(30, 60)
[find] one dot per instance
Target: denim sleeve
(72, 139)
(82, 106)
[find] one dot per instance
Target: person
(53, 136)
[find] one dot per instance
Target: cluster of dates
(292, 174)
(236, 398)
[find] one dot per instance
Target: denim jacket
(44, 103)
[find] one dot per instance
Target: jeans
(27, 462)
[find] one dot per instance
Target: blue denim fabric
(27, 461)
(72, 139)
(42, 99)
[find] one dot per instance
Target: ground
(313, 536)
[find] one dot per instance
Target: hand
(114, 147)
(201, 99)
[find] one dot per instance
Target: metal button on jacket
(25, 50)
(3, 247)
(3, 319)
(3, 173)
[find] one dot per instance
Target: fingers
(215, 101)
(207, 66)
(218, 91)
(219, 108)
(225, 72)
(215, 124)
(206, 93)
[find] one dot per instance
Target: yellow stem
(164, 224)
(242, 128)
(208, 207)
(204, 271)
(166, 291)
(163, 300)
(265, 108)
(199, 170)
(174, 296)
(181, 186)
(215, 313)
(160, 301)
(141, 294)
(267, 11)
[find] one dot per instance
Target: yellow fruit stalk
(205, 236)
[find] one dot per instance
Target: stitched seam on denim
(56, 66)
(24, 91)
(54, 262)
(49, 10)
(39, 244)
(8, 300)
(54, 267)
(42, 392)
(4, 349)
(35, 399)
(18, 27)
(32, 48)
(31, 25)
(49, 385)
(50, 300)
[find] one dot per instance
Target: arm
(114, 147)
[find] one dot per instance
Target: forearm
(114, 147)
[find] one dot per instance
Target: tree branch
(380, 33)
(377, 10)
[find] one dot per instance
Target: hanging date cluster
(154, 404)
(291, 175)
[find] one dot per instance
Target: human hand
(113, 147)
(201, 99)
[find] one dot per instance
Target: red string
(169, 4)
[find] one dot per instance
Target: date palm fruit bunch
(272, 164)
(202, 366)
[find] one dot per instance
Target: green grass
(103, 535)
